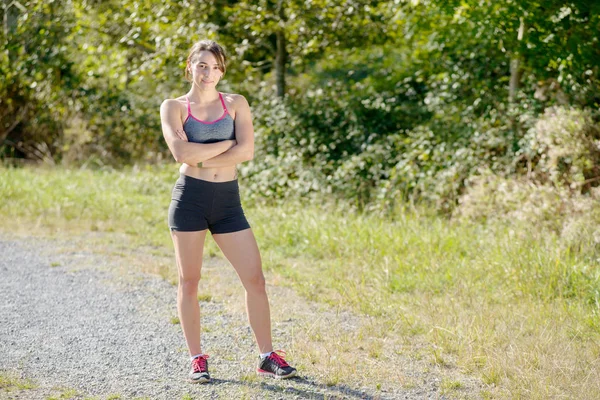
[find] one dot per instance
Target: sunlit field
(514, 308)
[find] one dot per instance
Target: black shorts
(197, 205)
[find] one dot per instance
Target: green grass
(10, 382)
(515, 308)
(450, 385)
(204, 297)
(65, 394)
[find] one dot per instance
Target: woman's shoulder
(234, 100)
(177, 104)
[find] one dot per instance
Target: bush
(491, 198)
(559, 189)
(326, 141)
(563, 148)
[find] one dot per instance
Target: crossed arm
(213, 155)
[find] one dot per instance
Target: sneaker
(199, 373)
(275, 366)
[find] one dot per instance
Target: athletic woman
(209, 133)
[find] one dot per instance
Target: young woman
(210, 133)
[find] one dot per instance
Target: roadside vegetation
(513, 304)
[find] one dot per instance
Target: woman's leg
(241, 250)
(189, 247)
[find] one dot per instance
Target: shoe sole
(201, 380)
(272, 375)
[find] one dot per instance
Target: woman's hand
(181, 135)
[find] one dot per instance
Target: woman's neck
(200, 96)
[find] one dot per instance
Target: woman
(210, 133)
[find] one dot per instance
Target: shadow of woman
(302, 388)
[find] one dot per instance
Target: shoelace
(199, 364)
(279, 359)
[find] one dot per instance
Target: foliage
(312, 28)
(553, 188)
(387, 100)
(564, 149)
(35, 76)
(332, 139)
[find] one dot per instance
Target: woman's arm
(244, 136)
(182, 150)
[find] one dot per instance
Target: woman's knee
(255, 282)
(189, 284)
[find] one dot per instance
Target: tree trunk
(515, 67)
(281, 56)
(280, 61)
(515, 78)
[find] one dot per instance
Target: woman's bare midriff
(223, 174)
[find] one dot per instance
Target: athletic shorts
(197, 205)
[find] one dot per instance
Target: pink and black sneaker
(275, 366)
(199, 373)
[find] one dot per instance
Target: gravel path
(70, 320)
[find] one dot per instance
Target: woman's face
(205, 70)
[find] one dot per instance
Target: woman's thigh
(241, 250)
(189, 248)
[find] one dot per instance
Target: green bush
(324, 141)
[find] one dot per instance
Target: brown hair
(207, 45)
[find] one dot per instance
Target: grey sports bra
(198, 131)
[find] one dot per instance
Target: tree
(270, 35)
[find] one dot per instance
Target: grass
(204, 297)
(450, 385)
(65, 394)
(10, 382)
(515, 308)
(17, 388)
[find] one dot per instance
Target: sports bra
(198, 131)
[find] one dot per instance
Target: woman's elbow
(180, 157)
(249, 155)
(179, 153)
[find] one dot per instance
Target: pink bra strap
(188, 105)
(222, 102)
(190, 109)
